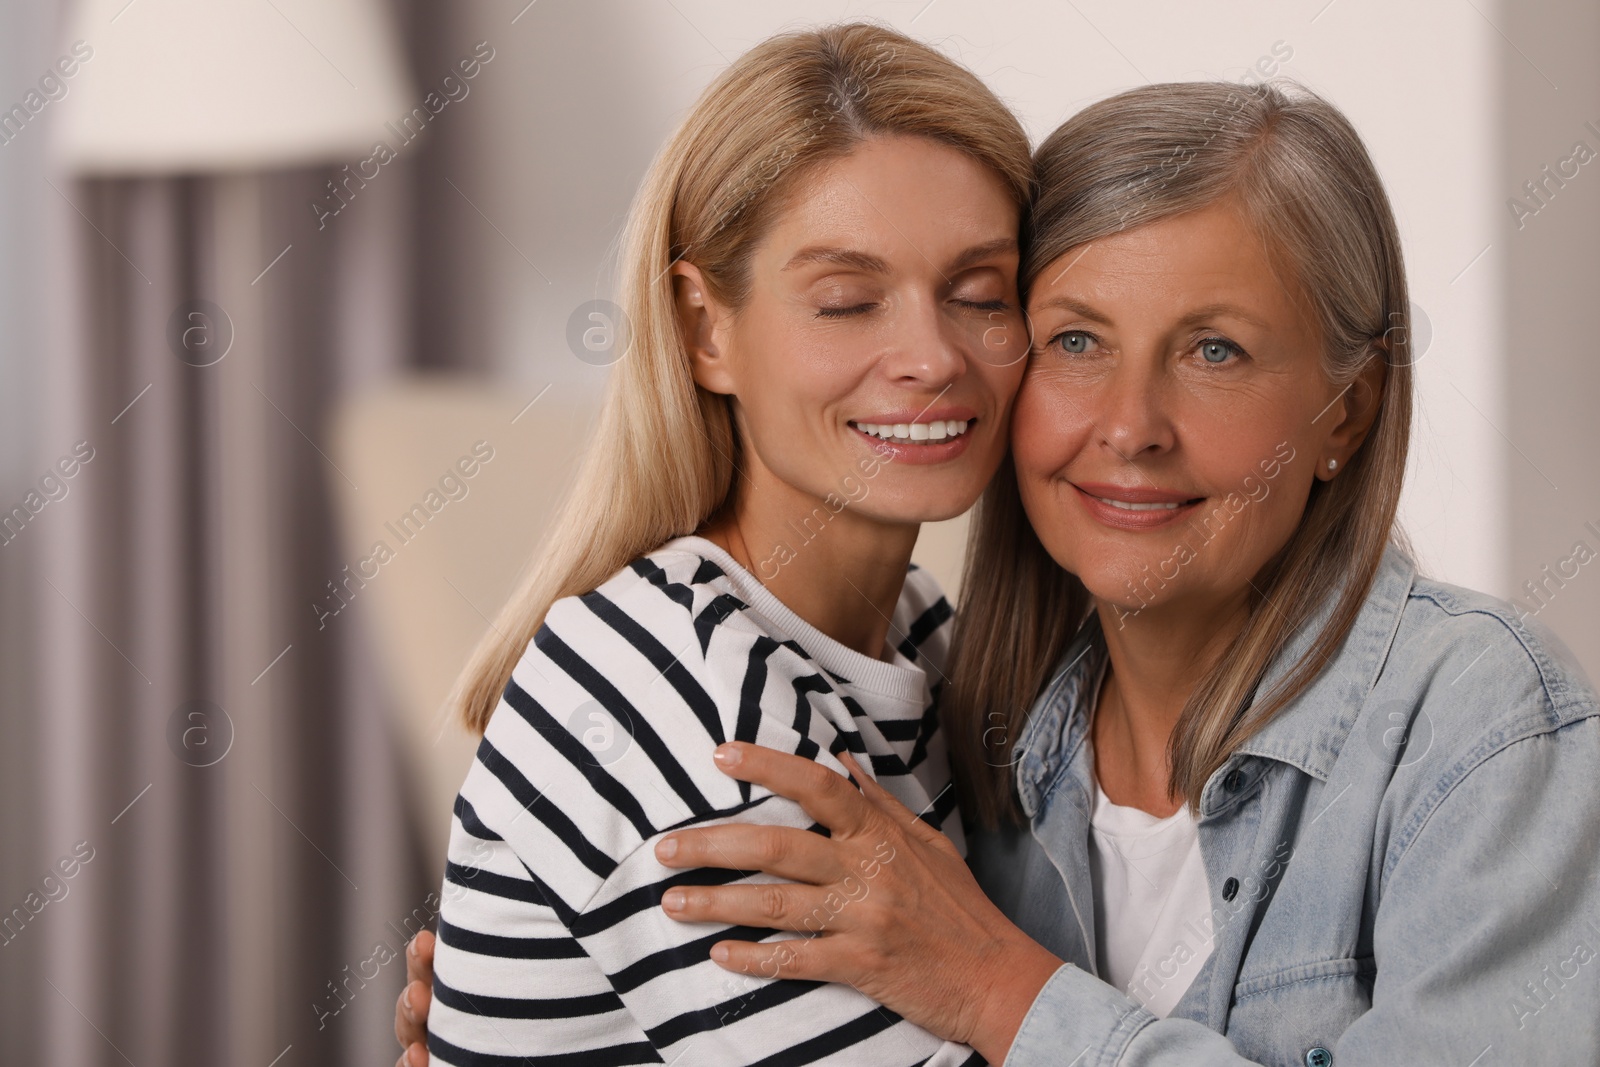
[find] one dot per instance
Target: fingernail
(726, 756)
(666, 848)
(411, 1009)
(719, 953)
(673, 900)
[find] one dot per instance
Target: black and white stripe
(553, 949)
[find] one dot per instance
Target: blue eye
(1074, 341)
(1216, 350)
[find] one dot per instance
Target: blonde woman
(820, 273)
(1279, 799)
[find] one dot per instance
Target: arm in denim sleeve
(1487, 936)
(1489, 925)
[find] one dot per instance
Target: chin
(949, 503)
(1124, 580)
(909, 512)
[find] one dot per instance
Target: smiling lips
(1130, 508)
(916, 438)
(905, 433)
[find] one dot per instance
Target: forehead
(898, 196)
(1211, 255)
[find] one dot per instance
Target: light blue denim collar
(1307, 734)
(1310, 732)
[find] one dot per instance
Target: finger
(872, 789)
(827, 796)
(891, 805)
(797, 855)
(402, 1022)
(798, 958)
(417, 1055)
(411, 1019)
(419, 958)
(772, 906)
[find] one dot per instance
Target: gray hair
(1306, 182)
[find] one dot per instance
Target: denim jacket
(1404, 864)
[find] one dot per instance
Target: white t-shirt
(1152, 903)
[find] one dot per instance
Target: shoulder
(604, 731)
(667, 589)
(1494, 706)
(1492, 655)
(660, 612)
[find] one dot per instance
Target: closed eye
(844, 312)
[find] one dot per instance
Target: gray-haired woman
(1276, 798)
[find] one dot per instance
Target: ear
(699, 316)
(1357, 409)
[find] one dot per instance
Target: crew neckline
(1127, 821)
(897, 679)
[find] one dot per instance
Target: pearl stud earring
(1333, 464)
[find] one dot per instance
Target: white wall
(586, 92)
(1552, 99)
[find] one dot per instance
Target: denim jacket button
(1317, 1056)
(1233, 780)
(1230, 889)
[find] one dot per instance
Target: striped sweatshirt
(553, 949)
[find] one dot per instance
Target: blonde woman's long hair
(665, 453)
(1306, 182)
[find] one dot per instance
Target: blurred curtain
(228, 763)
(231, 890)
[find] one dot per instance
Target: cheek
(1227, 456)
(1226, 437)
(782, 375)
(1003, 382)
(1280, 511)
(1046, 430)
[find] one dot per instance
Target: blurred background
(297, 346)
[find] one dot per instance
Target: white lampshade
(177, 86)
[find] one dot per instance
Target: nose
(1132, 416)
(927, 349)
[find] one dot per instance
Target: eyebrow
(1077, 307)
(868, 263)
(1212, 311)
(979, 253)
(845, 257)
(1195, 317)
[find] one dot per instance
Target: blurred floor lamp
(226, 91)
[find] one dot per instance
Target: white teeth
(1126, 506)
(937, 430)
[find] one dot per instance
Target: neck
(1156, 659)
(837, 569)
